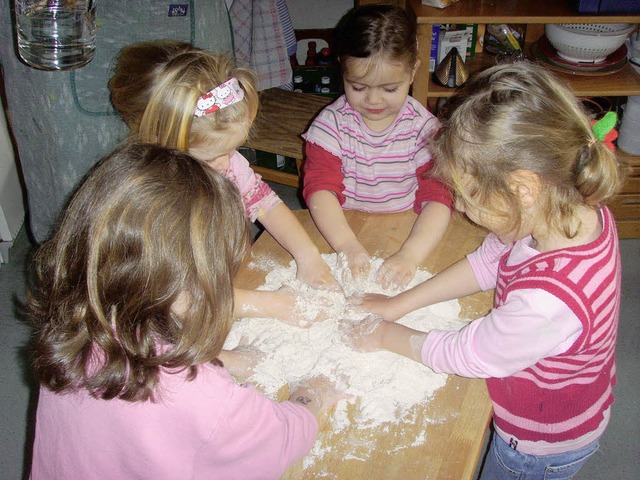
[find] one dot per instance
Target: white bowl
(587, 42)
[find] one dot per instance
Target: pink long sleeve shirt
(208, 428)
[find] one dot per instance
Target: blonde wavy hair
(156, 85)
(147, 227)
(519, 116)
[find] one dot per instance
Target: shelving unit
(535, 13)
(282, 118)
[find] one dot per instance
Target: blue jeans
(505, 463)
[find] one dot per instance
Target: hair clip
(604, 130)
(222, 96)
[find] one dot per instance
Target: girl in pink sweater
(178, 96)
(524, 161)
(133, 304)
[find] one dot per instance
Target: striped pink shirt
(379, 168)
(547, 347)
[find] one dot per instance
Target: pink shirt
(258, 197)
(209, 428)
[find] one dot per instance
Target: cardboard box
(450, 39)
(473, 45)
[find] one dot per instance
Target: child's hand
(396, 271)
(380, 305)
(288, 307)
(315, 272)
(317, 394)
(242, 360)
(358, 263)
(363, 335)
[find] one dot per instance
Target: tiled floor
(618, 458)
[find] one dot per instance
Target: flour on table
(385, 385)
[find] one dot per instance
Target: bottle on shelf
(312, 54)
(324, 58)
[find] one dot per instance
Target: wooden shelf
(621, 84)
(282, 118)
(535, 13)
(512, 11)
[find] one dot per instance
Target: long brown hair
(147, 225)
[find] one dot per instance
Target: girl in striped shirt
(368, 150)
(525, 162)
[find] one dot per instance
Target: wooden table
(453, 444)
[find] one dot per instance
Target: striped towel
(263, 35)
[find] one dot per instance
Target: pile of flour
(384, 385)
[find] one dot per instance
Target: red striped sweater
(563, 397)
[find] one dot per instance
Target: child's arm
(285, 304)
(329, 218)
(262, 204)
(428, 230)
(323, 192)
(497, 345)
(433, 204)
(456, 281)
(372, 334)
(279, 304)
(282, 224)
(241, 361)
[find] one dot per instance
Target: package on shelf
(433, 55)
(450, 38)
(269, 160)
(502, 37)
(606, 6)
(438, 52)
(276, 162)
(439, 3)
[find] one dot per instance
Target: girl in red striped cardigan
(524, 161)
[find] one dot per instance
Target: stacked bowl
(587, 42)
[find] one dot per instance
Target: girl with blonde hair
(178, 96)
(524, 161)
